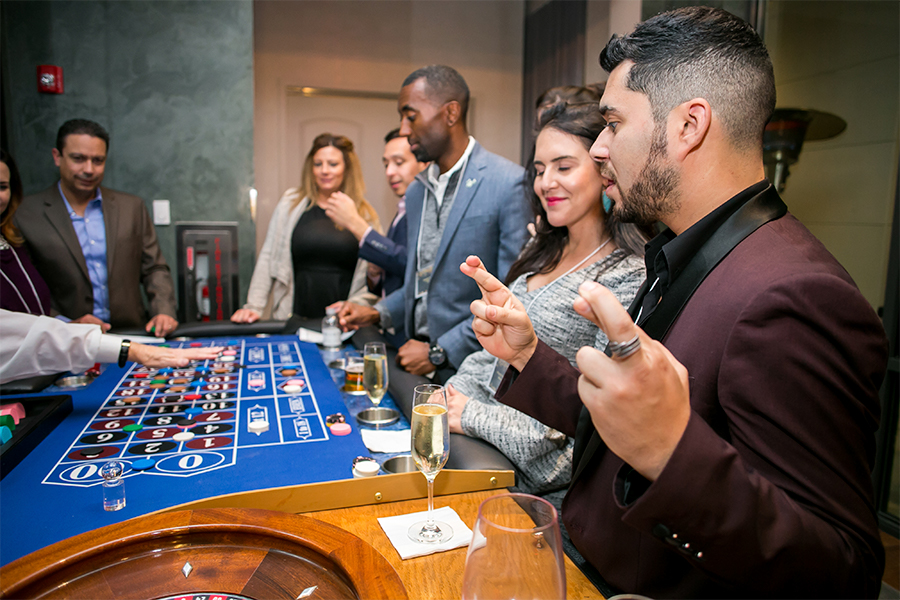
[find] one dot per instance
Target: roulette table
(182, 435)
(295, 463)
(213, 554)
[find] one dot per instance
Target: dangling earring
(607, 203)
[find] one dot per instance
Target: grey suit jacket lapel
(55, 211)
(469, 181)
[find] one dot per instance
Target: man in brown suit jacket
(66, 225)
(724, 441)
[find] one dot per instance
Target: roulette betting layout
(254, 418)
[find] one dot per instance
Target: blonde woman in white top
(307, 262)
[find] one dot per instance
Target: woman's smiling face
(567, 179)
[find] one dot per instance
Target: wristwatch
(437, 355)
(123, 352)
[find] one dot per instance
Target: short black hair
(393, 134)
(444, 84)
(80, 126)
(700, 52)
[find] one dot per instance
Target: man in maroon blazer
(723, 442)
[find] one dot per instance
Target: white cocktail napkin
(380, 440)
(397, 529)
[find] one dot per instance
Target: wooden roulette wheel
(227, 553)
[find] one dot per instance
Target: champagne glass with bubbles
(375, 371)
(430, 449)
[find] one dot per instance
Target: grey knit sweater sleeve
(543, 456)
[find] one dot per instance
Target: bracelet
(123, 352)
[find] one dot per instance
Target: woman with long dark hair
(21, 287)
(577, 238)
(306, 262)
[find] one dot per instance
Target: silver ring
(623, 350)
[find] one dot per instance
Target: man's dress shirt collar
(666, 255)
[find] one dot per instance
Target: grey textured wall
(171, 81)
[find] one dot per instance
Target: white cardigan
(274, 271)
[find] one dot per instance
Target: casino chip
(143, 464)
(341, 429)
(259, 426)
(365, 466)
(183, 436)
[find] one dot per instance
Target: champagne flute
(430, 449)
(375, 371)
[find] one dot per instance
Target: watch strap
(123, 352)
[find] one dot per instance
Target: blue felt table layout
(56, 492)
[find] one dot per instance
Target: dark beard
(650, 197)
(422, 154)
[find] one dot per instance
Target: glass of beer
(353, 380)
(430, 449)
(375, 371)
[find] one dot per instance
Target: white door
(364, 120)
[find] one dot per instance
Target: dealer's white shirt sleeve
(32, 345)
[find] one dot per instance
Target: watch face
(437, 356)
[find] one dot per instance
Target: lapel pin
(470, 182)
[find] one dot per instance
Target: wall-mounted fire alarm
(50, 79)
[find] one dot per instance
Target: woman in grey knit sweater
(576, 240)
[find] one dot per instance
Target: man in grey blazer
(469, 200)
(95, 247)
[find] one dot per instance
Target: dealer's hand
(159, 356)
(501, 324)
(640, 405)
(413, 357)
